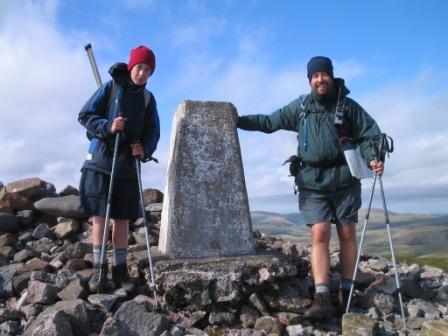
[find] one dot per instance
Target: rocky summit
(46, 261)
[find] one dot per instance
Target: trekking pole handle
(92, 61)
(146, 159)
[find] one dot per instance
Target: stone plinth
(205, 211)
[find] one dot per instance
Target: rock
(268, 324)
(25, 217)
(29, 187)
(41, 292)
(105, 301)
(74, 290)
(132, 319)
(152, 196)
(9, 223)
(292, 297)
(154, 207)
(248, 316)
(7, 240)
(41, 231)
(356, 325)
(6, 275)
(66, 227)
(15, 201)
(77, 312)
(434, 328)
(9, 328)
(258, 302)
(420, 308)
(221, 318)
(65, 206)
(69, 191)
(77, 250)
(7, 251)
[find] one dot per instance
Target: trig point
(205, 208)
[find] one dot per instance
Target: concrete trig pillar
(205, 208)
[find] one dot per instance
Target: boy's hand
(137, 151)
(117, 125)
(377, 167)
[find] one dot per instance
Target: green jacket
(323, 148)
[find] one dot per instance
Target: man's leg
(320, 265)
(347, 260)
(320, 255)
(347, 251)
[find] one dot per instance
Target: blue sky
(392, 55)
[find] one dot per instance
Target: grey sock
(322, 288)
(96, 254)
(120, 256)
(346, 283)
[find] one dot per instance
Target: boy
(121, 105)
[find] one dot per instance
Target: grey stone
(105, 301)
(74, 290)
(358, 325)
(293, 297)
(205, 210)
(221, 318)
(298, 330)
(6, 275)
(41, 231)
(420, 308)
(77, 312)
(64, 206)
(57, 323)
(41, 292)
(248, 316)
(258, 303)
(151, 196)
(25, 217)
(77, 250)
(9, 223)
(9, 328)
(69, 191)
(154, 207)
(132, 319)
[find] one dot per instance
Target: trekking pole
(397, 281)
(366, 219)
(145, 222)
(92, 61)
(103, 260)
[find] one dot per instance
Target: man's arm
(285, 118)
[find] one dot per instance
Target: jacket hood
(120, 74)
(340, 84)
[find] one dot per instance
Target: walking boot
(95, 285)
(321, 309)
(343, 296)
(121, 278)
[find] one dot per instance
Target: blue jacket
(136, 104)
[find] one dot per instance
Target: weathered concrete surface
(205, 211)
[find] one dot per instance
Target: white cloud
(45, 79)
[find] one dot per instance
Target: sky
(392, 54)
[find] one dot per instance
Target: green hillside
(414, 236)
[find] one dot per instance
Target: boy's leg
(120, 243)
(97, 240)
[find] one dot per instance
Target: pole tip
(88, 46)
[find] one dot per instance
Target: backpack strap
(304, 101)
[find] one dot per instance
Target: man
(328, 193)
(122, 105)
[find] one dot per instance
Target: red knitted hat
(142, 54)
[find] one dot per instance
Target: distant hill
(413, 235)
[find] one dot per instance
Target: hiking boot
(321, 309)
(343, 296)
(121, 277)
(95, 285)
